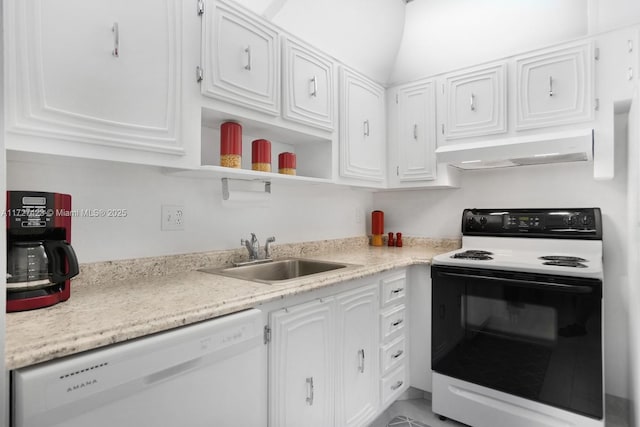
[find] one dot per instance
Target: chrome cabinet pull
(472, 100)
(309, 391)
(366, 128)
(361, 363)
(247, 50)
(398, 354)
(314, 83)
(550, 85)
(397, 385)
(397, 322)
(415, 132)
(116, 40)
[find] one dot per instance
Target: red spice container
(231, 145)
(287, 163)
(377, 228)
(261, 155)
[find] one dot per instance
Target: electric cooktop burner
(474, 254)
(563, 258)
(565, 264)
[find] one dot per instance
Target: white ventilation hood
(557, 147)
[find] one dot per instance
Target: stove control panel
(574, 223)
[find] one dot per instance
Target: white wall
(442, 35)
(438, 214)
(605, 15)
(362, 33)
(295, 214)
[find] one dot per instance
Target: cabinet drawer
(393, 289)
(393, 385)
(392, 321)
(393, 354)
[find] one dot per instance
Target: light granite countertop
(99, 313)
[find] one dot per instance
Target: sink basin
(278, 271)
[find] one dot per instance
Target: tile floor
(419, 413)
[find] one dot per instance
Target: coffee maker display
(40, 259)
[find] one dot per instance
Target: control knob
(483, 220)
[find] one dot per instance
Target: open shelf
(208, 172)
(313, 149)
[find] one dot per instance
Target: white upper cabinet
(308, 85)
(241, 58)
(475, 102)
(85, 74)
(555, 86)
(362, 128)
(412, 142)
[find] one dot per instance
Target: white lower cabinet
(301, 365)
(357, 367)
(323, 361)
(394, 357)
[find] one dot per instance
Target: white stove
(563, 257)
(517, 320)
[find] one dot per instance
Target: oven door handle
(575, 289)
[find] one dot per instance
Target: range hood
(557, 147)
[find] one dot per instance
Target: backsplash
(105, 272)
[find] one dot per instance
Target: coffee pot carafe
(38, 264)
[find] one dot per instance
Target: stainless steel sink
(278, 271)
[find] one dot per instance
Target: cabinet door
(307, 86)
(241, 58)
(555, 87)
(100, 72)
(362, 128)
(475, 102)
(416, 133)
(357, 371)
(301, 365)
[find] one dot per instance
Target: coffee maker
(40, 259)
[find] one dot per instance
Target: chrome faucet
(253, 246)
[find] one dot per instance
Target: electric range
(517, 320)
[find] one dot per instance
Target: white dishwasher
(212, 373)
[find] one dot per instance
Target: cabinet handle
(361, 362)
(398, 354)
(314, 90)
(366, 128)
(472, 101)
(248, 52)
(550, 85)
(397, 322)
(415, 132)
(397, 290)
(309, 391)
(397, 385)
(116, 40)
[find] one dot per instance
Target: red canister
(377, 227)
(287, 163)
(261, 155)
(231, 145)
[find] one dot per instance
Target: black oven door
(530, 335)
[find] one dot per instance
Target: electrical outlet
(172, 218)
